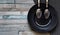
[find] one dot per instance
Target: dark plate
(52, 20)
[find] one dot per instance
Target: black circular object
(42, 24)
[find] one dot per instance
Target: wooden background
(15, 27)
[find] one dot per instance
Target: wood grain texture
(32, 33)
(16, 25)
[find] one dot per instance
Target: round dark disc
(44, 25)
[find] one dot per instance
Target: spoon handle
(46, 3)
(38, 3)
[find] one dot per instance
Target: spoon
(38, 11)
(46, 12)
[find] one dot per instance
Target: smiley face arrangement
(42, 17)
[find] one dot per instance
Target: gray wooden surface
(15, 26)
(21, 27)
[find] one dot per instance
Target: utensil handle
(38, 3)
(46, 3)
